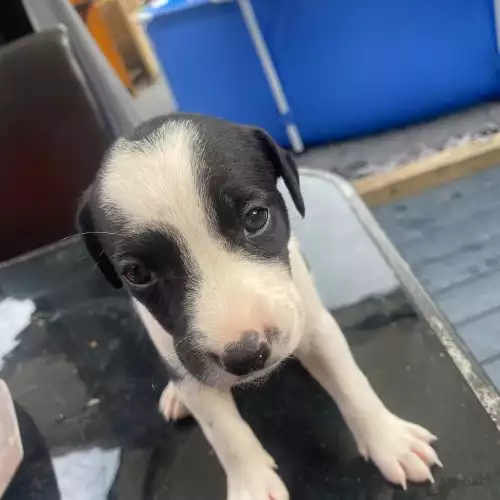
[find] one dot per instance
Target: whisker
(102, 255)
(187, 336)
(171, 356)
(95, 232)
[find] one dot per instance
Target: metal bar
(270, 72)
(496, 8)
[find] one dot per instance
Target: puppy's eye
(256, 219)
(137, 274)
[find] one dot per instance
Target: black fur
(92, 240)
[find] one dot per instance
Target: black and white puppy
(186, 213)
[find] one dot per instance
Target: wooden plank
(139, 39)
(115, 21)
(450, 201)
(465, 302)
(465, 265)
(100, 32)
(462, 236)
(143, 44)
(429, 172)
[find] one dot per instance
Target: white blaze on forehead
(153, 182)
(156, 184)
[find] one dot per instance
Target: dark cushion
(52, 139)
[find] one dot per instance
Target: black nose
(248, 355)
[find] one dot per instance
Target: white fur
(152, 182)
(171, 405)
(250, 470)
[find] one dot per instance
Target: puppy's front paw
(171, 406)
(401, 450)
(255, 481)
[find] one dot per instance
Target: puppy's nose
(248, 355)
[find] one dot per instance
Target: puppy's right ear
(285, 167)
(86, 228)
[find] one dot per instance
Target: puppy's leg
(171, 405)
(400, 449)
(250, 470)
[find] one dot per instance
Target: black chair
(52, 139)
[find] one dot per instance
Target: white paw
(255, 481)
(401, 450)
(171, 406)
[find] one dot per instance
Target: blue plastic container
(211, 65)
(348, 68)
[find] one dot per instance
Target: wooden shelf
(122, 39)
(131, 39)
(432, 171)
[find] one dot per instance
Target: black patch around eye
(165, 297)
(158, 251)
(238, 183)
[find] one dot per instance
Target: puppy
(185, 213)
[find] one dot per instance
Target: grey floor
(450, 236)
(155, 99)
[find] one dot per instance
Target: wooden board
(445, 166)
(143, 44)
(98, 29)
(130, 38)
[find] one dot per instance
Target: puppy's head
(186, 213)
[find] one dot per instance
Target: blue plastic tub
(348, 68)
(211, 65)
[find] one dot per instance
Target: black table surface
(86, 381)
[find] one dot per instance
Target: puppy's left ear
(285, 167)
(86, 227)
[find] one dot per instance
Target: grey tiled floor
(450, 236)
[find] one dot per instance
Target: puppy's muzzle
(250, 354)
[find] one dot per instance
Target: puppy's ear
(86, 227)
(285, 167)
